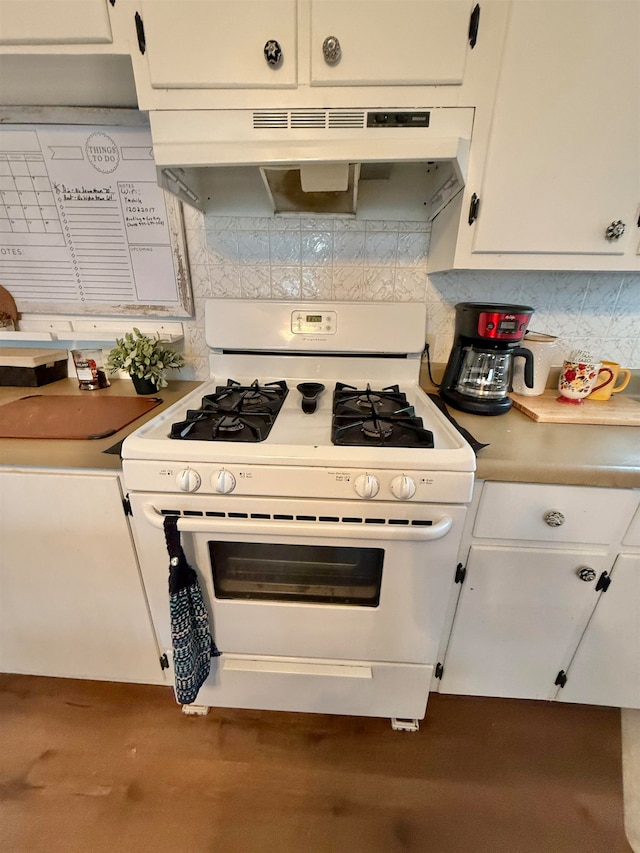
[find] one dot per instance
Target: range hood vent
(324, 119)
(311, 159)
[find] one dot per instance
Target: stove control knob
(188, 480)
(224, 482)
(367, 486)
(403, 487)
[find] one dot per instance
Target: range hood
(311, 161)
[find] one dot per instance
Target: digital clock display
(314, 318)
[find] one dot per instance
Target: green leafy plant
(144, 357)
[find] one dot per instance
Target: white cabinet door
(563, 159)
(54, 22)
(390, 42)
(209, 44)
(520, 616)
(606, 666)
(71, 597)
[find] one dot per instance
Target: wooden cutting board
(616, 411)
(59, 416)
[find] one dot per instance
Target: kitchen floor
(88, 767)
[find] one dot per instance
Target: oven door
(337, 580)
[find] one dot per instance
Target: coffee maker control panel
(502, 327)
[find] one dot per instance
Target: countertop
(520, 449)
(525, 451)
(39, 453)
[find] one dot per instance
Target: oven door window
(312, 573)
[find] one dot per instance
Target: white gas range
(325, 540)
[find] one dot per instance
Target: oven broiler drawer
(317, 686)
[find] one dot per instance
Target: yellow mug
(612, 387)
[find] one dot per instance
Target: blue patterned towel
(193, 644)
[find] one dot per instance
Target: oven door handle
(399, 533)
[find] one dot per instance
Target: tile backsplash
(381, 260)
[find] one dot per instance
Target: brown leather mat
(39, 416)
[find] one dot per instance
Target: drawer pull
(554, 518)
(586, 574)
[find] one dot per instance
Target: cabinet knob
(615, 230)
(273, 53)
(554, 518)
(586, 574)
(331, 50)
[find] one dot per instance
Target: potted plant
(144, 359)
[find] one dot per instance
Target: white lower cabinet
(520, 614)
(606, 667)
(549, 601)
(72, 602)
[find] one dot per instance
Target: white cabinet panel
(606, 666)
(632, 536)
(563, 160)
(71, 597)
(54, 22)
(397, 42)
(210, 44)
(517, 511)
(520, 616)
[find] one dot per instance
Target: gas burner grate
(376, 418)
(235, 412)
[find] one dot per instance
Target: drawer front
(317, 686)
(583, 515)
(632, 536)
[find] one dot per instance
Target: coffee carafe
(479, 372)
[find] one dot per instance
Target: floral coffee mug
(578, 379)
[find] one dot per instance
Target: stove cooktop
(360, 416)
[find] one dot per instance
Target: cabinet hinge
(460, 573)
(561, 679)
(113, 2)
(473, 209)
(474, 23)
(439, 670)
(604, 582)
(164, 662)
(142, 44)
(126, 506)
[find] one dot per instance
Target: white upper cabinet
(560, 163)
(298, 54)
(388, 42)
(49, 22)
(208, 44)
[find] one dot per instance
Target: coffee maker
(487, 339)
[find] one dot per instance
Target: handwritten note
(82, 219)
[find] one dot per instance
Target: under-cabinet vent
(312, 118)
(344, 118)
(286, 119)
(270, 118)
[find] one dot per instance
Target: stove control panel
(314, 323)
(303, 482)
